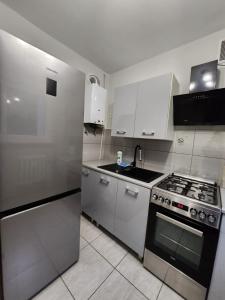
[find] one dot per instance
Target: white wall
(203, 151)
(15, 24)
(179, 61)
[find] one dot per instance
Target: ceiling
(118, 33)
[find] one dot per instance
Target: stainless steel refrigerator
(41, 116)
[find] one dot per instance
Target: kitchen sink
(135, 173)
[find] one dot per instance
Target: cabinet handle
(85, 173)
(104, 181)
(151, 133)
(121, 132)
(131, 192)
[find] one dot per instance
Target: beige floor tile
(55, 291)
(143, 280)
(87, 274)
(116, 287)
(110, 249)
(89, 231)
(83, 243)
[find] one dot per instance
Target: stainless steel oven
(180, 249)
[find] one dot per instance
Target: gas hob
(192, 197)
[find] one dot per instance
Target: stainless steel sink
(133, 172)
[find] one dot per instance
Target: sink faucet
(138, 147)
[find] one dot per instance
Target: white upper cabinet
(151, 109)
(154, 108)
(124, 110)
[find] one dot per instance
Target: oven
(180, 251)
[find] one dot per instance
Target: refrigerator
(41, 117)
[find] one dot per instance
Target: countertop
(94, 166)
(222, 192)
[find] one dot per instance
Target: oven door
(186, 244)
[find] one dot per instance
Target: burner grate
(200, 191)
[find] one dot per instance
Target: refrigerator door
(41, 117)
(39, 244)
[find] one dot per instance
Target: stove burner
(201, 197)
(200, 191)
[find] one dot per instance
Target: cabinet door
(37, 245)
(124, 107)
(131, 215)
(88, 195)
(152, 112)
(105, 192)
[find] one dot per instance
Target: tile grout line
(192, 152)
(182, 153)
(105, 257)
(84, 246)
(88, 244)
(159, 292)
(121, 260)
(101, 284)
(93, 239)
(67, 288)
(115, 269)
(132, 284)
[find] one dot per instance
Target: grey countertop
(94, 166)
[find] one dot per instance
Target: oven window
(178, 240)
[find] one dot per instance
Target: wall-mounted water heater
(95, 102)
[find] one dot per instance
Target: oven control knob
(202, 215)
(167, 201)
(154, 197)
(211, 219)
(161, 199)
(193, 212)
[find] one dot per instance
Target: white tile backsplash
(210, 144)
(181, 163)
(91, 151)
(157, 145)
(158, 160)
(207, 167)
(183, 141)
(107, 137)
(167, 162)
(197, 151)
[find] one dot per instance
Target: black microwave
(202, 108)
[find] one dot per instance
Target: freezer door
(41, 117)
(39, 244)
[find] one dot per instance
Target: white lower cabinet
(99, 197)
(118, 206)
(131, 215)
(105, 193)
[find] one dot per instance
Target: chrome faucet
(138, 147)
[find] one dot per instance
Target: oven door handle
(179, 224)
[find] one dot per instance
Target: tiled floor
(105, 271)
